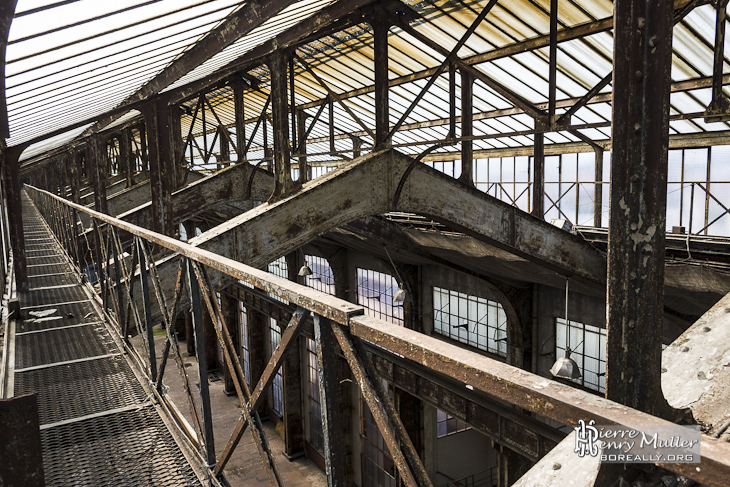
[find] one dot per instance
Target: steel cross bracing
(90, 398)
(536, 394)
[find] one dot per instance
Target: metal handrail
(548, 398)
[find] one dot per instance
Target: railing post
(118, 254)
(143, 276)
(196, 305)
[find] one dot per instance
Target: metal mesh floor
(62, 345)
(51, 296)
(86, 439)
(79, 389)
(131, 448)
(47, 317)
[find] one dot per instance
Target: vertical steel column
(144, 153)
(538, 178)
(381, 27)
(162, 178)
(240, 114)
(635, 291)
(11, 179)
(125, 156)
(304, 170)
(176, 162)
(143, 277)
(97, 159)
(225, 152)
(197, 305)
(73, 162)
(598, 190)
(280, 120)
(329, 388)
(553, 67)
(229, 309)
(467, 114)
(211, 340)
(356, 144)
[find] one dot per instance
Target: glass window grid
(588, 349)
(448, 425)
(279, 268)
(316, 437)
(570, 186)
(322, 278)
(245, 356)
(277, 389)
(375, 291)
(475, 321)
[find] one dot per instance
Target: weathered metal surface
(381, 25)
(162, 170)
(226, 185)
(280, 124)
(562, 466)
(545, 397)
(20, 443)
(694, 372)
(503, 425)
(467, 123)
(288, 338)
(329, 397)
(383, 411)
(635, 291)
(194, 291)
(233, 366)
(268, 231)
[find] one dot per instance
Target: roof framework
(92, 69)
(291, 84)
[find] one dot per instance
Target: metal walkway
(99, 423)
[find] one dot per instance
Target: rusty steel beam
(635, 290)
(467, 124)
(280, 124)
(288, 339)
(383, 411)
(288, 38)
(329, 388)
(227, 185)
(261, 235)
(551, 399)
(533, 393)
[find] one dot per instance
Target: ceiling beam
(239, 23)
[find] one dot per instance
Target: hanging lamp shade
(565, 367)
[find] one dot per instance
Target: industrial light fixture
(305, 270)
(400, 294)
(566, 367)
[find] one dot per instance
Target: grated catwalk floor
(98, 426)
